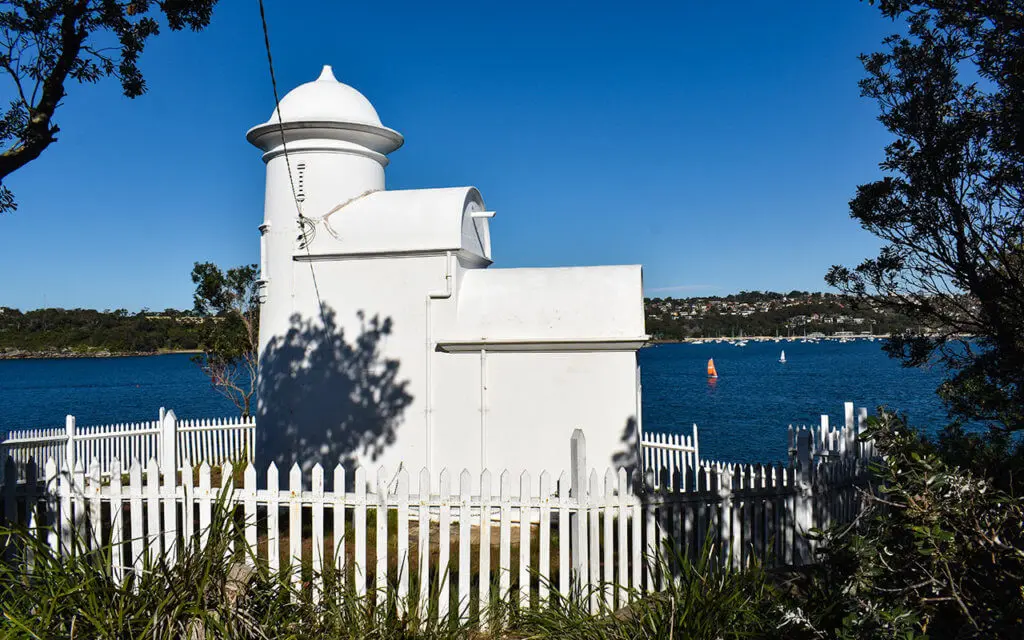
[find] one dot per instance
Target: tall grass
(697, 599)
(213, 592)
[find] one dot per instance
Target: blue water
(742, 416)
(39, 393)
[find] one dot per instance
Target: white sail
(782, 358)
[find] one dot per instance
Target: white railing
(829, 442)
(669, 458)
(584, 528)
(673, 454)
(168, 440)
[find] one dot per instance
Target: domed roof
(326, 100)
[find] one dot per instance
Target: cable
(288, 165)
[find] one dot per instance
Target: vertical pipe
(483, 408)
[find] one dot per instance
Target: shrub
(938, 549)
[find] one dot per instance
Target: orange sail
(711, 368)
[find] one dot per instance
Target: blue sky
(715, 143)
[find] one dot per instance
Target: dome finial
(327, 75)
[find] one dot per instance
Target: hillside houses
(764, 313)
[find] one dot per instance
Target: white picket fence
(676, 452)
(584, 529)
(830, 442)
(168, 439)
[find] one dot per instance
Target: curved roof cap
(326, 100)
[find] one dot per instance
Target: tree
(951, 208)
(44, 44)
(230, 301)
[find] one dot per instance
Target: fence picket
(381, 541)
(205, 497)
(608, 544)
(593, 582)
(135, 507)
(338, 530)
(622, 583)
(505, 538)
(359, 521)
(31, 510)
(249, 512)
(94, 491)
(116, 524)
(637, 544)
(423, 544)
(444, 530)
(170, 504)
(52, 486)
(544, 540)
(563, 534)
(227, 489)
(318, 533)
(188, 505)
(525, 521)
(402, 499)
(464, 563)
(484, 596)
(295, 525)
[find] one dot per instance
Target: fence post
(168, 441)
(69, 445)
(849, 435)
(725, 532)
(696, 448)
(577, 520)
(804, 515)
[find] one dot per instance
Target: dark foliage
(939, 549)
(951, 208)
(45, 44)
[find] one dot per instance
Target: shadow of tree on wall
(628, 457)
(330, 400)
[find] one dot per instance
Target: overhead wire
(302, 219)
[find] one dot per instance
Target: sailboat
(711, 368)
(782, 358)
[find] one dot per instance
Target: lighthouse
(386, 336)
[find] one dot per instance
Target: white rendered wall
(315, 405)
(532, 403)
(330, 178)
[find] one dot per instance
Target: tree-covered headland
(86, 332)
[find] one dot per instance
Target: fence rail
(168, 439)
(448, 543)
(673, 451)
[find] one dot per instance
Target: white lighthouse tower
(336, 151)
(385, 338)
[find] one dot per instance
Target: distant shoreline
(18, 354)
(883, 336)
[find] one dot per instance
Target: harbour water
(741, 416)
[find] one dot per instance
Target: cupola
(325, 113)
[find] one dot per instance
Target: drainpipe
(431, 347)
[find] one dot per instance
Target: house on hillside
(387, 336)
